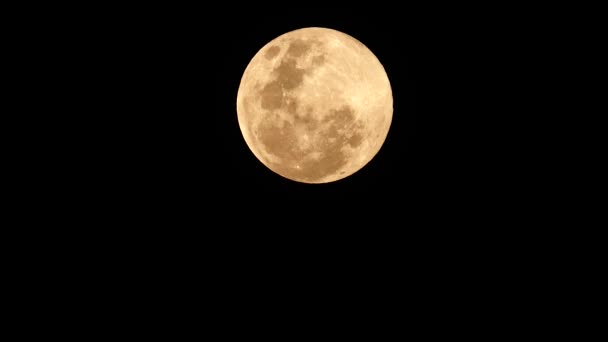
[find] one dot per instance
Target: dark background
(165, 126)
(159, 181)
(147, 189)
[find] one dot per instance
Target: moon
(314, 105)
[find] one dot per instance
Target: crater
(272, 52)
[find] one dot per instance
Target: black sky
(156, 151)
(152, 161)
(176, 75)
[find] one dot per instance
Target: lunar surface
(314, 105)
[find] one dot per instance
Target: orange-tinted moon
(315, 105)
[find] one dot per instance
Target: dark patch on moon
(341, 117)
(300, 116)
(292, 106)
(298, 48)
(306, 119)
(355, 140)
(318, 60)
(272, 96)
(280, 141)
(272, 52)
(288, 75)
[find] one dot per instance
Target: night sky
(451, 107)
(159, 177)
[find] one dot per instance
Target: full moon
(314, 105)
